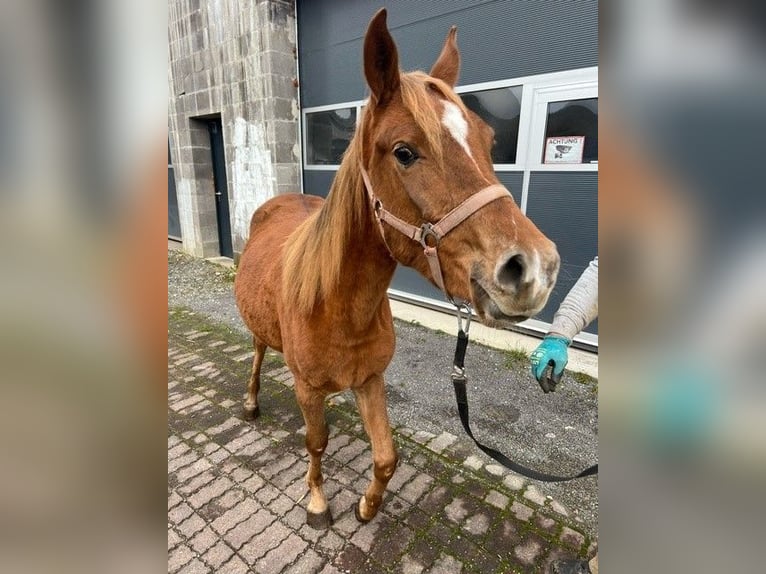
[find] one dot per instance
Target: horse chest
(336, 360)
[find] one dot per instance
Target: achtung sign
(564, 149)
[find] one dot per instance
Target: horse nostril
(511, 272)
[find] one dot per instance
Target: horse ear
(381, 60)
(447, 66)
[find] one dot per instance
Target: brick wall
(234, 59)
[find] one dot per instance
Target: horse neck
(366, 264)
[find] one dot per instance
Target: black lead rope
(459, 382)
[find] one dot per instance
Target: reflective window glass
(328, 135)
(500, 108)
(571, 132)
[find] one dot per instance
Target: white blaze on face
(454, 121)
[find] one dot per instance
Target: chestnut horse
(313, 276)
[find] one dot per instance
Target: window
(328, 134)
(571, 132)
(501, 109)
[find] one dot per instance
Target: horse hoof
(251, 414)
(359, 516)
(319, 520)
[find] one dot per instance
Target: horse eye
(404, 155)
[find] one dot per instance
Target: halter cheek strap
(430, 234)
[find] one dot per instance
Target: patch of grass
(229, 273)
(516, 358)
(582, 378)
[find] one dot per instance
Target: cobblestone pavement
(237, 491)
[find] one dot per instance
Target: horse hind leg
(311, 403)
(251, 410)
(371, 400)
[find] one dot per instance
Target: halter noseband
(434, 232)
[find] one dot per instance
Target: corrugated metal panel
(498, 40)
(564, 205)
(317, 182)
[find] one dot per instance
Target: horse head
(426, 154)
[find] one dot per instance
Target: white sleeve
(580, 306)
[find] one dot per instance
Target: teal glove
(552, 351)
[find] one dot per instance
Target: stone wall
(235, 59)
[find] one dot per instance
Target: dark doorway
(174, 223)
(215, 127)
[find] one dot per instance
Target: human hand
(551, 352)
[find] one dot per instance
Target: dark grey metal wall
(564, 205)
(498, 40)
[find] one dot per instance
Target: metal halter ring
(426, 231)
(461, 307)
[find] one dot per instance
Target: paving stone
(193, 469)
(203, 540)
(416, 488)
(218, 554)
(196, 566)
(244, 531)
(408, 565)
(533, 493)
(336, 443)
(181, 461)
(446, 565)
(310, 561)
(349, 452)
(572, 538)
(228, 424)
(350, 559)
(521, 511)
(260, 544)
(234, 516)
(178, 450)
(179, 557)
(527, 552)
(191, 526)
(218, 456)
(441, 442)
(365, 537)
(253, 483)
(277, 559)
(239, 474)
(234, 566)
(513, 481)
(404, 472)
(230, 498)
(209, 492)
(196, 482)
(477, 524)
(330, 542)
(497, 499)
(495, 469)
(173, 538)
(173, 499)
(473, 462)
(179, 513)
(558, 507)
(456, 510)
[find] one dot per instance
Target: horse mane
(314, 252)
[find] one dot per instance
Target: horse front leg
(371, 400)
(311, 403)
